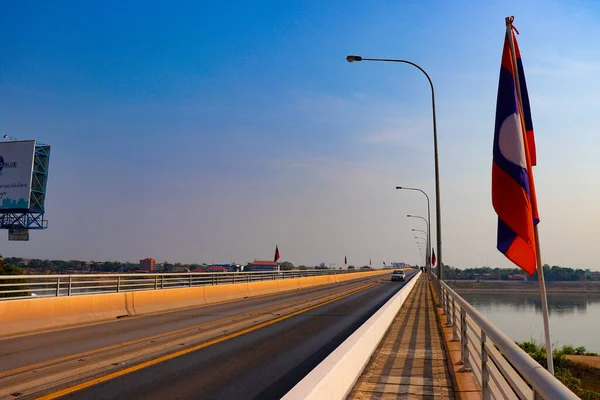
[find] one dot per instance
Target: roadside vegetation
(583, 380)
(8, 269)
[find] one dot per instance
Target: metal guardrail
(502, 369)
(14, 287)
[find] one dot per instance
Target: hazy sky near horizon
(212, 131)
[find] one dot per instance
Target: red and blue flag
(513, 189)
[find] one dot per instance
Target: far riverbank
(578, 287)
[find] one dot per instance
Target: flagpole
(538, 256)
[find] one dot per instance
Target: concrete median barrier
(219, 293)
(312, 281)
(357, 275)
(152, 301)
(263, 288)
(30, 315)
(307, 282)
(36, 314)
(284, 285)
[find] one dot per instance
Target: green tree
(8, 269)
(13, 260)
(302, 267)
(35, 263)
(109, 266)
(286, 266)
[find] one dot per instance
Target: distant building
(264, 266)
(148, 265)
(216, 268)
(229, 267)
(517, 277)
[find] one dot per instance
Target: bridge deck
(410, 361)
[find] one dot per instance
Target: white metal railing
(14, 287)
(502, 369)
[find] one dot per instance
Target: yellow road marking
(170, 356)
(90, 353)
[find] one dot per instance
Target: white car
(398, 275)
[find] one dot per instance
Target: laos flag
(513, 190)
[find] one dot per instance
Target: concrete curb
(335, 376)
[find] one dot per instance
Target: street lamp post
(422, 231)
(422, 243)
(428, 262)
(418, 216)
(422, 249)
(435, 152)
(421, 253)
(428, 252)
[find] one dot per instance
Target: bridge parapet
(13, 287)
(31, 314)
(502, 369)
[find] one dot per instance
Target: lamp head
(353, 58)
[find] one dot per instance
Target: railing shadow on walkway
(410, 361)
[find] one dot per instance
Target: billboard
(16, 169)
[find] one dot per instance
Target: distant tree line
(17, 266)
(45, 267)
(554, 273)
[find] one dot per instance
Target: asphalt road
(262, 364)
(29, 349)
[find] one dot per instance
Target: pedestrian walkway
(410, 362)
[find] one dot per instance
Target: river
(574, 319)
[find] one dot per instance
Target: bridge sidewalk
(410, 361)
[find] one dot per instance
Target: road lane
(35, 348)
(263, 364)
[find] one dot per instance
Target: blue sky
(205, 132)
